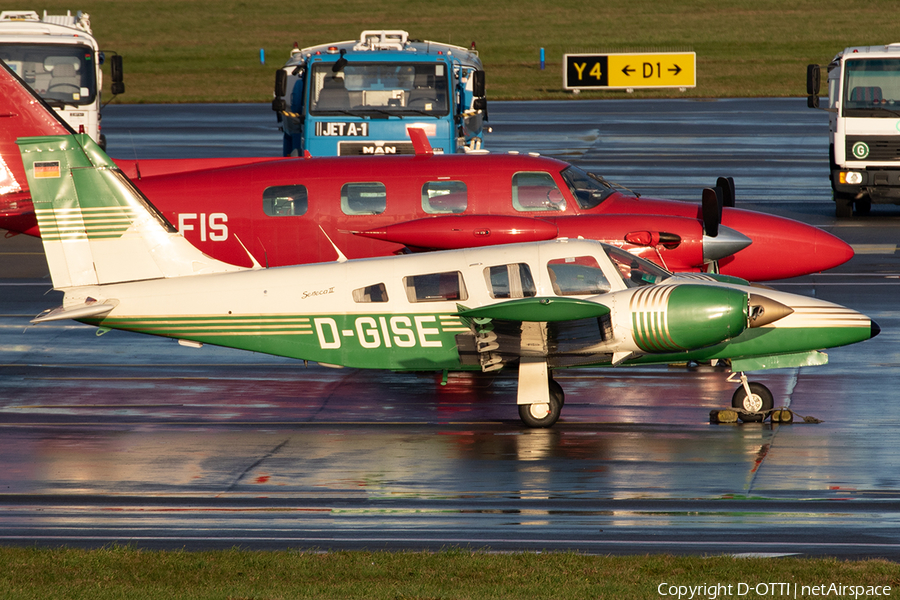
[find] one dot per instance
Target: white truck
(864, 107)
(58, 56)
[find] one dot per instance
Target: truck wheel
(843, 206)
(864, 206)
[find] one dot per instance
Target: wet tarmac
(131, 439)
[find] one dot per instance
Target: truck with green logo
(864, 106)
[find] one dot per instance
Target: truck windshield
(61, 74)
(872, 88)
(382, 89)
(589, 189)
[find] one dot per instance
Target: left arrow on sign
(628, 70)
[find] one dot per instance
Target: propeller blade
(712, 211)
(727, 185)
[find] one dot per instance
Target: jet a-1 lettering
(540, 306)
(284, 211)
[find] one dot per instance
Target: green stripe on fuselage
(426, 341)
(397, 342)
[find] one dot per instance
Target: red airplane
(284, 211)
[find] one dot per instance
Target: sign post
(630, 71)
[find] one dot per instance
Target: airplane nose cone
(875, 329)
(726, 243)
(781, 248)
(831, 250)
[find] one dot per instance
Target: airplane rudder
(98, 221)
(47, 167)
(48, 162)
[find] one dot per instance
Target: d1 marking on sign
(629, 70)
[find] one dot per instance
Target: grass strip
(125, 572)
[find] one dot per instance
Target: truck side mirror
(115, 68)
(813, 79)
(478, 84)
(479, 104)
(278, 105)
(280, 83)
(813, 82)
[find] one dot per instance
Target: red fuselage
(221, 209)
(301, 210)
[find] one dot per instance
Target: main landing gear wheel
(758, 403)
(544, 415)
(556, 390)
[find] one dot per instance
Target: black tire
(758, 405)
(556, 390)
(843, 205)
(532, 414)
(864, 206)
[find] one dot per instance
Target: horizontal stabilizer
(79, 311)
(538, 310)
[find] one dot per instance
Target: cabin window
(435, 287)
(369, 198)
(578, 276)
(371, 293)
(444, 197)
(510, 281)
(536, 191)
(285, 200)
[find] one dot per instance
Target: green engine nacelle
(672, 318)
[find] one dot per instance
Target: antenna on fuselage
(341, 258)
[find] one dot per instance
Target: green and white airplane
(537, 307)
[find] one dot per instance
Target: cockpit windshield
(589, 189)
(635, 271)
(394, 89)
(62, 75)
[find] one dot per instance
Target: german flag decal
(48, 169)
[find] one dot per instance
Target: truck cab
(359, 97)
(59, 58)
(864, 106)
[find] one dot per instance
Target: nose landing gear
(752, 400)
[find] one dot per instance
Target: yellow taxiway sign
(630, 70)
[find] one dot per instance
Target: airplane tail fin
(96, 226)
